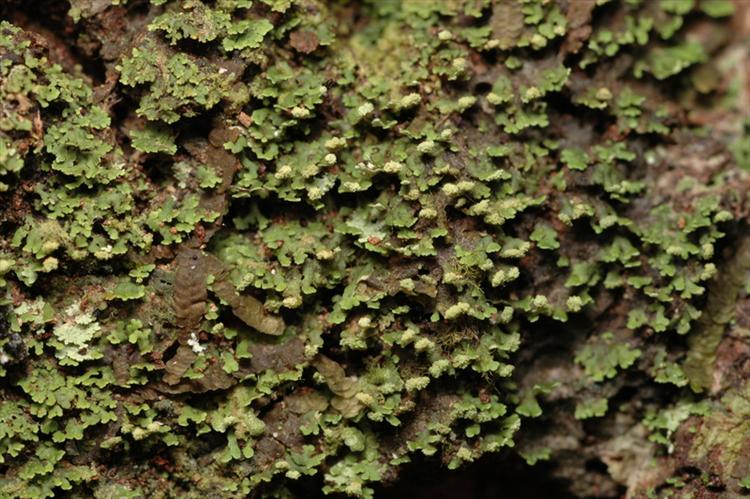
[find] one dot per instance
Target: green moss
(420, 198)
(153, 139)
(189, 87)
(591, 408)
(602, 357)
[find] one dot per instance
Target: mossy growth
(394, 203)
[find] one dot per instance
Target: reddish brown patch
(245, 119)
(163, 463)
(200, 233)
(304, 41)
(578, 16)
(484, 396)
(477, 63)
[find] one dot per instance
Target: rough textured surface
(282, 248)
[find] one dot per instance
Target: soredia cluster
(420, 228)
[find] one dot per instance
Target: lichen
(296, 238)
